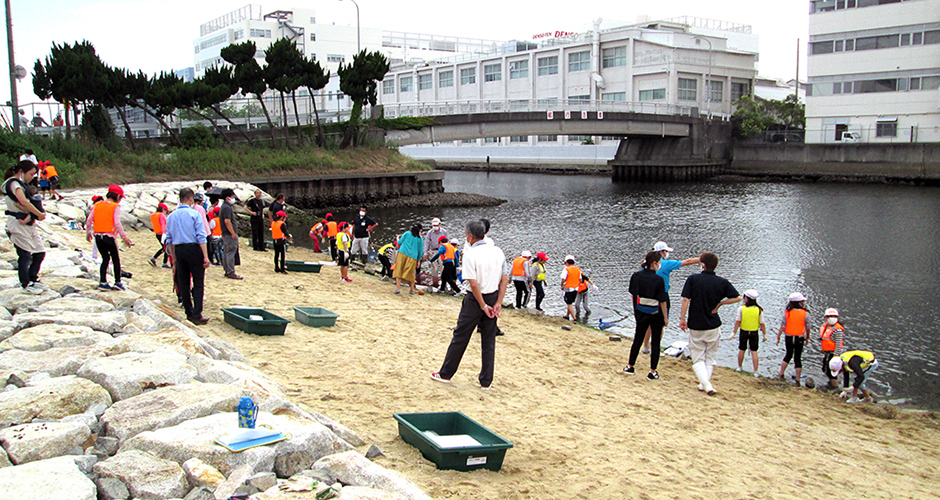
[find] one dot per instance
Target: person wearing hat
(432, 244)
(666, 266)
(332, 229)
(750, 320)
(229, 234)
(104, 226)
(343, 247)
(832, 341)
(570, 281)
(795, 324)
(538, 276)
(158, 223)
(43, 180)
(449, 254)
(280, 236)
(862, 364)
(521, 279)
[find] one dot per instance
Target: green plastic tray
(315, 316)
(272, 324)
(489, 455)
(302, 267)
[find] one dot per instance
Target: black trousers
(162, 249)
(28, 265)
(539, 294)
(107, 248)
(794, 350)
(279, 255)
(386, 266)
(189, 264)
(449, 276)
(471, 317)
(257, 233)
(522, 292)
(333, 247)
(655, 323)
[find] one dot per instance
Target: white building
(874, 71)
(619, 69)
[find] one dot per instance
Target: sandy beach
(581, 428)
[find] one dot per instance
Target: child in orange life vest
(750, 320)
(215, 237)
(332, 229)
(53, 177)
(315, 233)
(570, 282)
(448, 254)
(343, 247)
(521, 279)
(582, 297)
(280, 236)
(832, 338)
(795, 324)
(104, 226)
(158, 222)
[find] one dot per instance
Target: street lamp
(708, 77)
(358, 33)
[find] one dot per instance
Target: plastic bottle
(247, 413)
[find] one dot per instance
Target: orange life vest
(583, 286)
(574, 277)
(796, 322)
(276, 231)
(450, 252)
(825, 333)
(104, 216)
(155, 222)
(51, 172)
(217, 230)
(331, 230)
(518, 266)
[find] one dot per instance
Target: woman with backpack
(22, 211)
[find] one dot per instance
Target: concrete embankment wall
(864, 162)
(341, 190)
(550, 159)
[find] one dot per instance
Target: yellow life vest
(342, 241)
(540, 276)
(866, 356)
(750, 318)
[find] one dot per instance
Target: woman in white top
(21, 213)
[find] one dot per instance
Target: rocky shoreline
(106, 395)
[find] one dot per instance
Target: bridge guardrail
(462, 107)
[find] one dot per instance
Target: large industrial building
(874, 71)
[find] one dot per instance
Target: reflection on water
(869, 251)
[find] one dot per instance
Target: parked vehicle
(851, 137)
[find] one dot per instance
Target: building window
(492, 72)
(917, 38)
(518, 69)
(579, 138)
(490, 140)
(313, 20)
(873, 86)
(239, 34)
(313, 37)
(739, 90)
(388, 87)
(548, 66)
(469, 141)
(614, 97)
(821, 47)
(716, 90)
(837, 88)
(931, 37)
(445, 79)
(335, 58)
(886, 128)
(653, 95)
(688, 89)
(551, 102)
(579, 99)
(915, 84)
(424, 82)
(518, 138)
(839, 45)
(614, 56)
(547, 138)
(850, 45)
(468, 76)
(579, 61)
(877, 42)
(406, 84)
(905, 39)
(259, 33)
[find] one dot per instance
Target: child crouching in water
(750, 319)
(280, 236)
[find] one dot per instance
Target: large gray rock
(235, 373)
(195, 438)
(74, 303)
(148, 342)
(110, 488)
(52, 479)
(56, 362)
(130, 374)
(227, 351)
(7, 327)
(54, 398)
(43, 337)
(234, 483)
(32, 442)
(14, 299)
(69, 212)
(147, 477)
(202, 475)
(110, 322)
(168, 406)
(122, 300)
(353, 469)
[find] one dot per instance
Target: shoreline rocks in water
(105, 395)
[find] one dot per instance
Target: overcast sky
(155, 35)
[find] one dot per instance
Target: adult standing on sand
(255, 209)
(666, 266)
(186, 244)
(702, 295)
(648, 292)
(410, 246)
(484, 267)
(229, 234)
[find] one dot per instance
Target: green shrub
(198, 136)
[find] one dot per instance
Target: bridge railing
(464, 107)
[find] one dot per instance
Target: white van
(851, 137)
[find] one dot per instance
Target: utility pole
(15, 108)
(796, 91)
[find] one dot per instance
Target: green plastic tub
(453, 440)
(302, 267)
(315, 316)
(271, 324)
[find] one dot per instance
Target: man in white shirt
(29, 155)
(484, 267)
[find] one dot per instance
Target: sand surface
(581, 428)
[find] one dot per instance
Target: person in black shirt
(648, 291)
(362, 229)
(255, 208)
(276, 206)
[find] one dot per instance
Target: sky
(157, 35)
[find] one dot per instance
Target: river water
(869, 250)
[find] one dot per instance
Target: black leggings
(655, 323)
(279, 255)
(107, 248)
(449, 276)
(522, 292)
(161, 250)
(539, 294)
(827, 357)
(28, 265)
(794, 346)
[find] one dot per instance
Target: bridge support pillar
(645, 158)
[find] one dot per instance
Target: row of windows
(831, 5)
(874, 86)
(259, 33)
(210, 42)
(335, 58)
(542, 138)
(876, 42)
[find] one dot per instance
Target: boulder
(73, 303)
(127, 375)
(147, 477)
(40, 441)
(353, 469)
(168, 338)
(139, 324)
(53, 398)
(5, 313)
(201, 493)
(196, 438)
(56, 362)
(122, 300)
(167, 407)
(7, 327)
(202, 475)
(50, 336)
(235, 373)
(110, 488)
(69, 212)
(227, 351)
(262, 481)
(14, 298)
(53, 479)
(109, 322)
(234, 483)
(5, 460)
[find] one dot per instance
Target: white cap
(435, 222)
(835, 365)
(832, 311)
(660, 246)
(569, 257)
(752, 293)
(526, 253)
(797, 297)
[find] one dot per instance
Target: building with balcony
(873, 71)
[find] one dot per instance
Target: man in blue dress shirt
(186, 242)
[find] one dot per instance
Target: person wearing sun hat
(280, 237)
(832, 341)
(538, 278)
(521, 279)
(750, 322)
(432, 245)
(862, 364)
(104, 226)
(570, 281)
(795, 324)
(666, 266)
